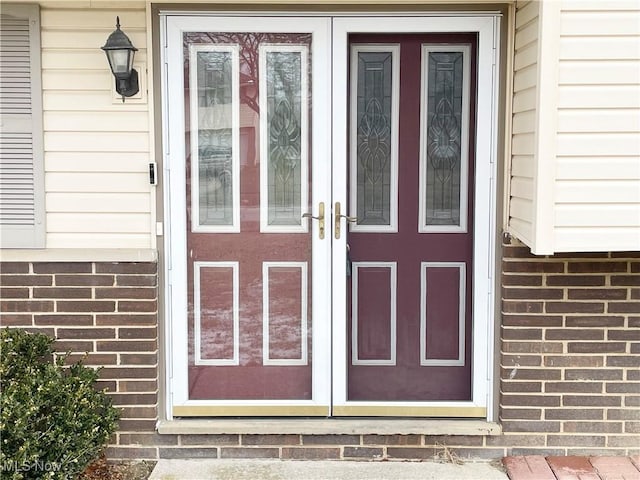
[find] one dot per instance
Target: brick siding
(103, 313)
(570, 356)
(569, 360)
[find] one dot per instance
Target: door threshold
(328, 426)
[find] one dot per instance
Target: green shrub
(53, 421)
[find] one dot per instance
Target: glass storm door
(329, 223)
(407, 222)
(253, 205)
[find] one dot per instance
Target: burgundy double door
(410, 246)
(259, 214)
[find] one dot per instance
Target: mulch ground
(103, 470)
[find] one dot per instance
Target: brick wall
(103, 312)
(569, 362)
(308, 447)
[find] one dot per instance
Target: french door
(323, 198)
(248, 113)
(414, 128)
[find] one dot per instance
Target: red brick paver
(529, 467)
(615, 468)
(572, 468)
(537, 467)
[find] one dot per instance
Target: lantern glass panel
(120, 61)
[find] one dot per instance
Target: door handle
(336, 219)
(320, 219)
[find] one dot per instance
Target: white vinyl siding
(21, 158)
(97, 149)
(525, 95)
(575, 166)
(597, 191)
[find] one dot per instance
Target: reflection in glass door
(252, 213)
(249, 246)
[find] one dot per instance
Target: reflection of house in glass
(213, 120)
(284, 70)
(224, 114)
(215, 185)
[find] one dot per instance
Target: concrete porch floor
(228, 469)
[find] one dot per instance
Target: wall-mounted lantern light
(120, 52)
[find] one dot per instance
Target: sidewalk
(225, 469)
(534, 467)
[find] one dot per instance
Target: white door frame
(487, 28)
(330, 121)
(175, 210)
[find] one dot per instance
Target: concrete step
(223, 469)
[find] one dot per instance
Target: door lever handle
(320, 219)
(336, 221)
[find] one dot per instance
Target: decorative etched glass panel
(445, 144)
(374, 132)
(214, 123)
(284, 133)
